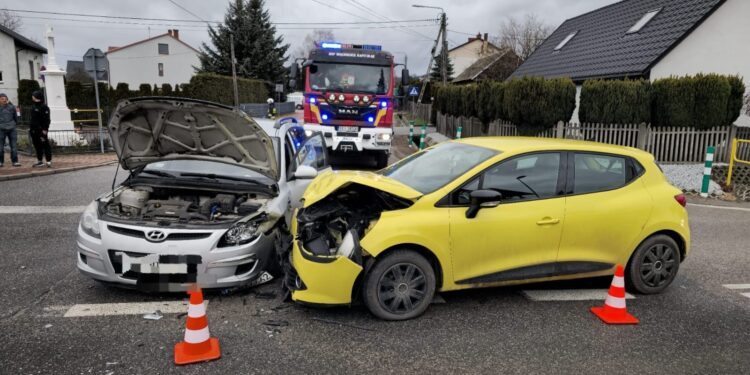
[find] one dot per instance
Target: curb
(53, 171)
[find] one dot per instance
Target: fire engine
(348, 97)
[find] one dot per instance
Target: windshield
(193, 167)
(368, 79)
(431, 169)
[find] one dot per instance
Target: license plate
(155, 264)
(348, 129)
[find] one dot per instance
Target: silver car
(208, 199)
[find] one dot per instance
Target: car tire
(399, 286)
(654, 265)
(381, 160)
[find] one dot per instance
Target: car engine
(147, 203)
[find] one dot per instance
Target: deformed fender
(327, 283)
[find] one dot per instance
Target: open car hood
(330, 181)
(144, 130)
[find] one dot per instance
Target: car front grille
(175, 236)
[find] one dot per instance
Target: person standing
(38, 129)
(8, 125)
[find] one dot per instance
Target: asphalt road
(697, 326)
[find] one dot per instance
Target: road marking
(109, 309)
(41, 209)
(539, 295)
(746, 294)
(720, 207)
(737, 286)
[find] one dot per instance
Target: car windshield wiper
(158, 173)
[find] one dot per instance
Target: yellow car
(485, 212)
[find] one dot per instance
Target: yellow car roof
(525, 144)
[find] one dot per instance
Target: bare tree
(10, 20)
(523, 36)
(317, 35)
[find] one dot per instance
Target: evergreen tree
(259, 52)
(436, 74)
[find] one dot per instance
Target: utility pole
(444, 52)
(234, 72)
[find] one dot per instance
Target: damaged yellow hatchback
(485, 212)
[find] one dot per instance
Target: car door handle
(548, 221)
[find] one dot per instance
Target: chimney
(485, 48)
(176, 34)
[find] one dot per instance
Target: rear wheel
(381, 159)
(400, 286)
(654, 265)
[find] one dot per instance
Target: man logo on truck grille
(348, 111)
(156, 236)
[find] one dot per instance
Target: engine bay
(181, 205)
(335, 224)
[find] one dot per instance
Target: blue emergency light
(312, 100)
(383, 104)
(370, 119)
(324, 117)
(337, 45)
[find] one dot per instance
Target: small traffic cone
(614, 311)
(198, 346)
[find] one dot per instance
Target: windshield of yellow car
(431, 169)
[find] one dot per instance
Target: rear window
(597, 172)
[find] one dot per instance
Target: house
(648, 39)
(475, 48)
(20, 58)
(497, 66)
(162, 59)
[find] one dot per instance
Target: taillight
(680, 198)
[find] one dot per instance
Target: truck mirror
(405, 77)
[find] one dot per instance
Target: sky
(465, 18)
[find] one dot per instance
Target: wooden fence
(667, 144)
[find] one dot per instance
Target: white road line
(719, 207)
(41, 209)
(109, 309)
(746, 294)
(737, 286)
(569, 295)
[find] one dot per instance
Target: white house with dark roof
(162, 59)
(20, 58)
(648, 39)
(464, 55)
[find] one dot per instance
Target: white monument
(55, 86)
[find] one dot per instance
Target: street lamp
(444, 52)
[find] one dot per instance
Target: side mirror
(405, 77)
(305, 172)
(482, 198)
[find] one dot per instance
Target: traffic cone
(198, 346)
(614, 311)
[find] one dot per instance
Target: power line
(191, 13)
(365, 8)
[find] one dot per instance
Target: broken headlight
(90, 220)
(239, 234)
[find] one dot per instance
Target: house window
(161, 70)
(31, 70)
(566, 40)
(1, 76)
(163, 49)
(643, 21)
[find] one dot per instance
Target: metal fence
(81, 140)
(667, 144)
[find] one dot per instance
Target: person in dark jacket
(38, 128)
(8, 125)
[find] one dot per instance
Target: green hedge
(535, 104)
(26, 87)
(734, 105)
(615, 102)
(217, 88)
(702, 101)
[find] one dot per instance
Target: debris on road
(156, 315)
(342, 324)
(265, 295)
(47, 325)
(276, 323)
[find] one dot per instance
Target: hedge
(734, 105)
(217, 88)
(615, 102)
(535, 104)
(702, 101)
(26, 87)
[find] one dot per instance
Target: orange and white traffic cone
(198, 346)
(614, 311)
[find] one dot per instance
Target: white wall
(9, 84)
(463, 57)
(721, 44)
(139, 63)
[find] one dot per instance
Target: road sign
(279, 87)
(414, 91)
(95, 62)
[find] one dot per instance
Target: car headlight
(308, 133)
(239, 234)
(90, 220)
(383, 137)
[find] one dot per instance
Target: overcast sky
(73, 38)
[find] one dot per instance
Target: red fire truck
(349, 97)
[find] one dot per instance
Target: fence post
(411, 133)
(732, 152)
(707, 171)
(421, 137)
(643, 130)
(560, 131)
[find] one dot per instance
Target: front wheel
(654, 265)
(381, 159)
(400, 286)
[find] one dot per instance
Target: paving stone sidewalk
(60, 164)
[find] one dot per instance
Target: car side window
(523, 178)
(597, 172)
(312, 153)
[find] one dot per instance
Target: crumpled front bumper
(108, 260)
(321, 280)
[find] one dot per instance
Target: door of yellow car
(606, 209)
(517, 236)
